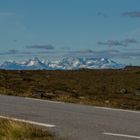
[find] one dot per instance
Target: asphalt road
(75, 122)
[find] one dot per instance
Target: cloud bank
(45, 47)
(15, 52)
(134, 14)
(124, 43)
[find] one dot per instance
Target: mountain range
(62, 64)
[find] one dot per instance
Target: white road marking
(115, 109)
(122, 135)
(41, 100)
(29, 122)
(103, 108)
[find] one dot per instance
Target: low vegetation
(11, 130)
(111, 88)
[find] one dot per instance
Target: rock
(74, 91)
(47, 76)
(107, 101)
(123, 91)
(137, 92)
(49, 95)
(38, 95)
(19, 72)
(82, 97)
(1, 76)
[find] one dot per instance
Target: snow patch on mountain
(62, 64)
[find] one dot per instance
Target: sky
(50, 29)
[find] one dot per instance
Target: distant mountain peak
(32, 62)
(67, 63)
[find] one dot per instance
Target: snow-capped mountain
(63, 64)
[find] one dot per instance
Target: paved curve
(75, 122)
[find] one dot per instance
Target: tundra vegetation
(110, 88)
(11, 130)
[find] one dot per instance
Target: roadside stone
(37, 95)
(49, 95)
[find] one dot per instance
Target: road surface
(72, 121)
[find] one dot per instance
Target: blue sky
(85, 28)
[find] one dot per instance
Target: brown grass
(11, 130)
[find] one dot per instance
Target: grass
(110, 88)
(11, 130)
